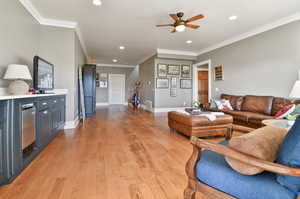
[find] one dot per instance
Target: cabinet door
(45, 126)
(56, 118)
(2, 173)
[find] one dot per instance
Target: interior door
(116, 89)
(203, 86)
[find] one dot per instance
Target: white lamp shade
(15, 71)
(295, 93)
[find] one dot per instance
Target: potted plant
(197, 105)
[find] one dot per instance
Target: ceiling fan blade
(164, 25)
(174, 16)
(173, 31)
(192, 26)
(197, 17)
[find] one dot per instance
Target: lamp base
(18, 87)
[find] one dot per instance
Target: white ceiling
(131, 23)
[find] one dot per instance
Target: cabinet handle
(45, 103)
(45, 112)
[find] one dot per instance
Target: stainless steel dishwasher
(28, 125)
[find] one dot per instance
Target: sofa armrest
(237, 155)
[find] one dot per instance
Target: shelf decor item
(162, 70)
(219, 73)
(162, 83)
(18, 73)
(186, 71)
(185, 83)
(174, 70)
(103, 80)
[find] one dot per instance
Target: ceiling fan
(180, 24)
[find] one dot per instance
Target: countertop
(8, 97)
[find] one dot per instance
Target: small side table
(277, 123)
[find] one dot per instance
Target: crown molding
(254, 32)
(54, 22)
(115, 65)
(146, 58)
(176, 52)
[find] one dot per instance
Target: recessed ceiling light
(233, 17)
(189, 41)
(97, 2)
(122, 47)
(115, 60)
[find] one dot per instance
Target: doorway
(116, 91)
(202, 81)
(203, 86)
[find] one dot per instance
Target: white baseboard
(72, 124)
(164, 110)
(102, 104)
(143, 106)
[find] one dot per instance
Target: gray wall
(19, 37)
(162, 96)
(57, 46)
(80, 60)
(146, 76)
(266, 64)
(131, 77)
(22, 38)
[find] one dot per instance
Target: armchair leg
(189, 193)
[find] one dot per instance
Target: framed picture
(173, 82)
(174, 70)
(219, 73)
(186, 71)
(162, 70)
(103, 84)
(103, 76)
(173, 92)
(162, 83)
(186, 83)
(97, 76)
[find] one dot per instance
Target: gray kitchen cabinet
(47, 119)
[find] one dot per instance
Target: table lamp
(18, 73)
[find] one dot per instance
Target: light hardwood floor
(117, 154)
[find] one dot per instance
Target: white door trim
(195, 78)
(109, 87)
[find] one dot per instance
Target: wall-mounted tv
(43, 75)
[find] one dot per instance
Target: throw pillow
(223, 105)
(297, 110)
(285, 111)
(262, 143)
(289, 155)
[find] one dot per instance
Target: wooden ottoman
(200, 126)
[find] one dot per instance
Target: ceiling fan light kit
(180, 25)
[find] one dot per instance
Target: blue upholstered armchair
(209, 173)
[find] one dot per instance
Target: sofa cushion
(258, 104)
(235, 101)
(262, 143)
(289, 155)
(213, 170)
(278, 104)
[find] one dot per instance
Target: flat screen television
(43, 75)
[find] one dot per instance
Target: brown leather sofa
(251, 110)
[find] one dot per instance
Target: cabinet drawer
(44, 104)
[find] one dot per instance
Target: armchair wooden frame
(194, 185)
